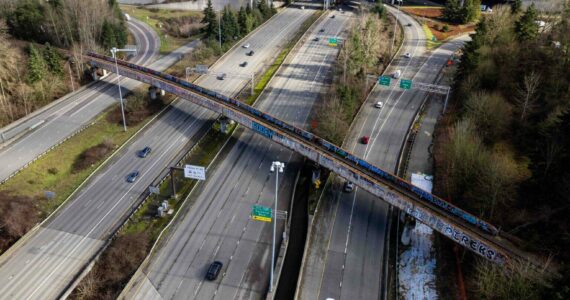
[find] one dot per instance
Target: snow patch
(416, 272)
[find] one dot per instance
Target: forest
(503, 152)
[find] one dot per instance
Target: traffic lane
(345, 258)
(197, 269)
(60, 122)
(48, 260)
(266, 43)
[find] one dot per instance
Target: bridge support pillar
(94, 74)
(153, 93)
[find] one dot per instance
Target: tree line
(234, 25)
(505, 149)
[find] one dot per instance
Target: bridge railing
(464, 228)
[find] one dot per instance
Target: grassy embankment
(157, 19)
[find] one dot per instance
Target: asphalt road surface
(218, 225)
(46, 261)
(74, 111)
(346, 258)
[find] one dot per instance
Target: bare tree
(526, 93)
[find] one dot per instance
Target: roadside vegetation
(502, 150)
(145, 225)
(365, 51)
(33, 71)
(175, 28)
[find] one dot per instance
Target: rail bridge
(460, 226)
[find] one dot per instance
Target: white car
(407, 55)
(397, 74)
(379, 104)
(302, 7)
(246, 46)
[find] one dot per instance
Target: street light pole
(276, 167)
(114, 52)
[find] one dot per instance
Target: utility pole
(276, 167)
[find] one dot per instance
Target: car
(144, 152)
(222, 76)
(322, 30)
(133, 176)
(409, 24)
(348, 186)
(365, 139)
(243, 64)
(332, 17)
(250, 53)
(340, 9)
(379, 104)
(407, 55)
(316, 39)
(302, 7)
(397, 74)
(246, 46)
(213, 270)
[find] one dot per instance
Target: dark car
(348, 186)
(322, 30)
(144, 152)
(365, 139)
(250, 53)
(214, 270)
(332, 17)
(316, 39)
(243, 64)
(222, 76)
(409, 24)
(133, 176)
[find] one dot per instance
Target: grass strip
(431, 41)
(54, 171)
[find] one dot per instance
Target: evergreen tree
(26, 21)
(230, 28)
(120, 34)
(248, 9)
(36, 65)
(242, 22)
(452, 11)
(264, 9)
(108, 38)
(471, 11)
(516, 6)
(526, 27)
(273, 9)
(52, 59)
(211, 20)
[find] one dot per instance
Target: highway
(346, 258)
(47, 259)
(218, 225)
(74, 110)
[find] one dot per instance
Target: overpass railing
(466, 229)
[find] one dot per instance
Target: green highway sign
(261, 213)
(384, 80)
(333, 41)
(405, 84)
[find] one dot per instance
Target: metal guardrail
(460, 226)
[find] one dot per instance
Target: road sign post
(261, 213)
(405, 84)
(333, 42)
(384, 80)
(195, 172)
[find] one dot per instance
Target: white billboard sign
(195, 172)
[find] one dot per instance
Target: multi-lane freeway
(218, 225)
(47, 259)
(346, 258)
(53, 124)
